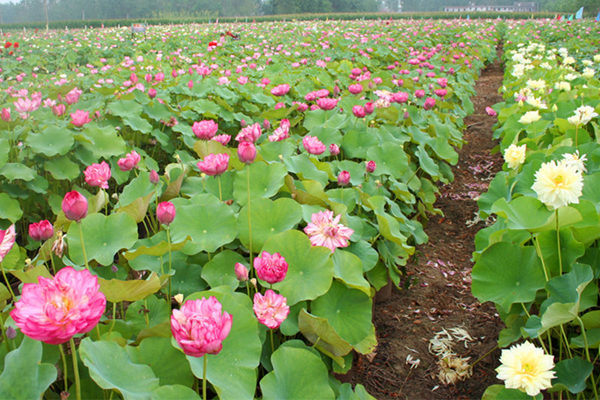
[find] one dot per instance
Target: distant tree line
(63, 10)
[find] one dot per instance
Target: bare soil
(440, 295)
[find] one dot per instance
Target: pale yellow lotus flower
(529, 117)
(558, 184)
(515, 155)
(527, 368)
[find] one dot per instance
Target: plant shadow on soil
(440, 297)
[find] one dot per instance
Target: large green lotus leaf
(147, 313)
(220, 270)
(592, 342)
(359, 392)
(427, 163)
(325, 134)
(531, 214)
(178, 392)
(139, 186)
(268, 218)
(111, 368)
(62, 168)
(138, 208)
(348, 268)
(117, 290)
(168, 364)
(310, 270)
(356, 142)
(265, 181)
(156, 245)
(349, 312)
(323, 336)
(367, 254)
(324, 119)
(390, 159)
(302, 166)
(51, 141)
(24, 375)
(103, 237)
(506, 273)
(124, 108)
(10, 208)
(571, 374)
(297, 374)
(499, 392)
(209, 222)
(13, 171)
(571, 250)
(346, 196)
(137, 123)
(103, 142)
(233, 372)
(4, 150)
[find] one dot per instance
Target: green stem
(12, 294)
(170, 262)
(114, 319)
(539, 253)
(75, 370)
(204, 379)
(272, 345)
(587, 355)
(64, 363)
(220, 193)
(52, 262)
(564, 335)
(83, 245)
(576, 131)
(4, 337)
(146, 313)
(249, 219)
(484, 356)
(539, 337)
(560, 263)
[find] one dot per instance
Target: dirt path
(440, 297)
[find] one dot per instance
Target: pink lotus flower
(80, 118)
(152, 93)
(199, 327)
(75, 206)
(326, 103)
(55, 310)
(281, 133)
(246, 152)
(7, 240)
(98, 175)
(205, 130)
(165, 212)
(429, 103)
(399, 97)
(59, 109)
(73, 96)
(129, 162)
(24, 106)
(334, 149)
(313, 145)
(249, 133)
(154, 178)
(280, 90)
(370, 167)
(271, 309)
(490, 111)
(355, 88)
(6, 114)
(223, 139)
(343, 178)
(325, 230)
(369, 107)
(419, 93)
(359, 111)
(41, 231)
(241, 272)
(214, 164)
(270, 268)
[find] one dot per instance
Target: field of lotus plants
(208, 210)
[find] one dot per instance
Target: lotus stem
(587, 355)
(249, 219)
(272, 345)
(12, 294)
(64, 363)
(114, 315)
(576, 132)
(220, 193)
(539, 253)
(170, 260)
(75, 370)
(83, 246)
(560, 263)
(204, 378)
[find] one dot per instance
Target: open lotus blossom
(529, 117)
(214, 164)
(515, 155)
(359, 111)
(280, 90)
(73, 96)
(200, 326)
(281, 133)
(98, 175)
(313, 145)
(270, 268)
(271, 309)
(326, 103)
(583, 115)
(42, 230)
(325, 230)
(355, 88)
(54, 310)
(7, 240)
(205, 130)
(223, 139)
(558, 184)
(129, 162)
(429, 103)
(249, 133)
(80, 118)
(527, 368)
(576, 161)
